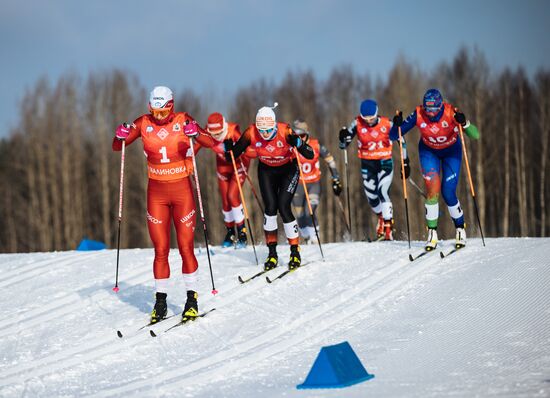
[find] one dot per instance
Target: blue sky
(221, 45)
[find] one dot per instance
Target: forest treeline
(59, 177)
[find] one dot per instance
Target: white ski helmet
(161, 102)
(266, 122)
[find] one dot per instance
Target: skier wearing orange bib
(275, 145)
(232, 208)
(311, 171)
(375, 151)
(166, 143)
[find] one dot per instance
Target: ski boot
(295, 259)
(272, 259)
(380, 227)
(241, 236)
(191, 309)
(160, 309)
(460, 237)
(431, 243)
(388, 234)
(229, 239)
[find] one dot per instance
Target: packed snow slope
(476, 323)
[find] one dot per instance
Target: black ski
(181, 323)
(119, 333)
(254, 276)
(284, 273)
(412, 258)
(288, 271)
(454, 250)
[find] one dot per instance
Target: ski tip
(207, 312)
(441, 255)
(268, 280)
(119, 333)
(241, 279)
(153, 334)
(411, 257)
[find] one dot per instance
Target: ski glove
(345, 137)
(294, 140)
(398, 119)
(407, 169)
(122, 131)
(336, 186)
(191, 129)
(228, 145)
(460, 118)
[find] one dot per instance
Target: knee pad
(238, 214)
(387, 210)
(191, 280)
(291, 229)
(432, 214)
(161, 285)
(228, 216)
(270, 223)
(457, 214)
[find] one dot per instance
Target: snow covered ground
(473, 324)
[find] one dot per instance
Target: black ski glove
(336, 186)
(228, 145)
(460, 118)
(398, 119)
(344, 137)
(407, 169)
(294, 140)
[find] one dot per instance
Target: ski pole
(252, 187)
(347, 189)
(420, 191)
(238, 177)
(404, 182)
(120, 197)
(341, 206)
(470, 180)
(196, 173)
(308, 202)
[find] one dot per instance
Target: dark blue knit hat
(369, 108)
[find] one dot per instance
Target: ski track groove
(63, 359)
(56, 308)
(21, 274)
(17, 265)
(237, 356)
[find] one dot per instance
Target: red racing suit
(227, 181)
(169, 191)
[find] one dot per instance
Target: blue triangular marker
(336, 366)
(88, 244)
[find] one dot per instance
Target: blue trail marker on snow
(336, 366)
(88, 244)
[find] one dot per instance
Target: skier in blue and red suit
(440, 152)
